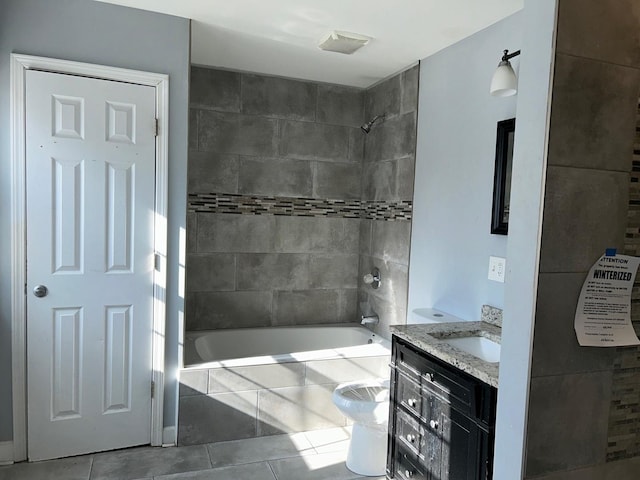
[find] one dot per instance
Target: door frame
(19, 64)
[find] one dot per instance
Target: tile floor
(314, 455)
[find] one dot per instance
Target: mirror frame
(502, 176)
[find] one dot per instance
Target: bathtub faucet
(370, 319)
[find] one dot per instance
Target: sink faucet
(370, 319)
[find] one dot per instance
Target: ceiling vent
(343, 42)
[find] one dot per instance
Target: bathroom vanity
(443, 402)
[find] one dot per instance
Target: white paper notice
(603, 316)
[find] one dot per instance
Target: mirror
(502, 177)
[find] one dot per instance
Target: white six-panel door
(90, 170)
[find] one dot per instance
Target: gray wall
(595, 100)
(452, 238)
(88, 31)
(388, 177)
(268, 136)
(557, 410)
(523, 242)
(258, 136)
(452, 211)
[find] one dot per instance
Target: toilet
(367, 404)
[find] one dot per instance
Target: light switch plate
(497, 266)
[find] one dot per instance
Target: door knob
(40, 291)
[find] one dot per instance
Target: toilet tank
(431, 315)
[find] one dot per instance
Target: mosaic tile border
(624, 412)
(298, 206)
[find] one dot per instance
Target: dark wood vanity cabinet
(441, 420)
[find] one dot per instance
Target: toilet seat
(364, 401)
(367, 404)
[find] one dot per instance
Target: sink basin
(480, 347)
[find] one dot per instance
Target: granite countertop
(431, 338)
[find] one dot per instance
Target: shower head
(366, 128)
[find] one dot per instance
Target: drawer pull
(411, 438)
(408, 473)
(412, 402)
(430, 376)
(433, 424)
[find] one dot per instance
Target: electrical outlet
(497, 266)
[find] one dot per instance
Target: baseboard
(169, 436)
(6, 453)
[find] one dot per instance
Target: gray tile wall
(388, 175)
(259, 135)
(595, 97)
(624, 422)
(268, 136)
(253, 270)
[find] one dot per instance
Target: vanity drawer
(407, 469)
(409, 394)
(436, 378)
(419, 401)
(409, 433)
(409, 362)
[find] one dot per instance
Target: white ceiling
(280, 37)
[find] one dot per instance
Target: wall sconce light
(504, 82)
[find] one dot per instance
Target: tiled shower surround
(388, 176)
(290, 203)
(624, 416)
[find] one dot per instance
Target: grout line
(314, 447)
(314, 178)
(195, 233)
(235, 272)
(91, 467)
(277, 135)
(197, 122)
(316, 89)
(241, 78)
(272, 471)
(206, 446)
(595, 60)
(257, 414)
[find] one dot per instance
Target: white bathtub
(258, 346)
(253, 382)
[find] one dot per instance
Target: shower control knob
(433, 424)
(373, 278)
(412, 402)
(40, 291)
